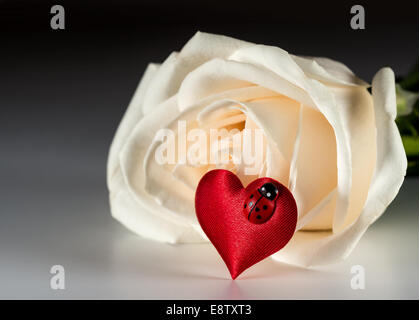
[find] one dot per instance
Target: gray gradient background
(62, 95)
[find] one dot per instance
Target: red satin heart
(220, 207)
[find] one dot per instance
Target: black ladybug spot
(269, 191)
(245, 205)
(258, 216)
(251, 196)
(265, 207)
(257, 209)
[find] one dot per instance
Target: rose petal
(139, 219)
(327, 106)
(357, 108)
(171, 188)
(323, 209)
(250, 145)
(315, 248)
(278, 118)
(159, 181)
(219, 75)
(133, 158)
(328, 70)
(292, 177)
(201, 48)
(131, 117)
(315, 166)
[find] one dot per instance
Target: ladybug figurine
(261, 203)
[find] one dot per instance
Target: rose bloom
(335, 145)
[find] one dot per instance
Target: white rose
(334, 144)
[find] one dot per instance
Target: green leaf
(411, 146)
(405, 100)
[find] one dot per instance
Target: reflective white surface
(71, 226)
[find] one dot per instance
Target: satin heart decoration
(246, 225)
